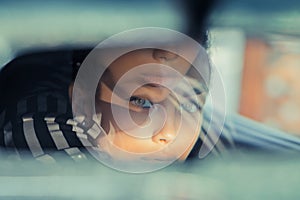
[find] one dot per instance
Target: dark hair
(196, 14)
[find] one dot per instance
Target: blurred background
(256, 46)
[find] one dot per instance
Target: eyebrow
(106, 96)
(198, 87)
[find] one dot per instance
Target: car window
(256, 49)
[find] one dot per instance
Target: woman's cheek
(195, 137)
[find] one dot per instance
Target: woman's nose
(169, 131)
(163, 55)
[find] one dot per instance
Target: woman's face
(145, 103)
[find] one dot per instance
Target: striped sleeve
(36, 127)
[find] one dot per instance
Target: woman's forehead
(197, 59)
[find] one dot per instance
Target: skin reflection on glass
(150, 93)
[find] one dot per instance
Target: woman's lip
(160, 159)
(155, 85)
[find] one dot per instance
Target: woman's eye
(190, 107)
(140, 102)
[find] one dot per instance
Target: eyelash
(190, 106)
(138, 102)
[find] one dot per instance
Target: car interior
(251, 144)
